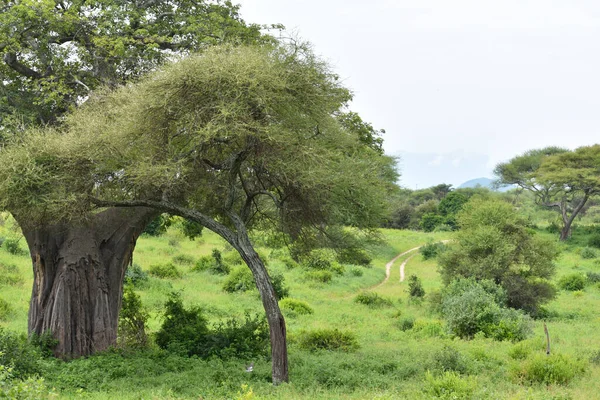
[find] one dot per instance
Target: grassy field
(405, 350)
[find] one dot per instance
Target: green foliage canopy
(55, 53)
(493, 243)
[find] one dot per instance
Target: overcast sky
(458, 85)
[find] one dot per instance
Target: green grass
(389, 364)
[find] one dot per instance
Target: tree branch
(11, 60)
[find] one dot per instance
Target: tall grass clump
(553, 369)
(449, 386)
(372, 300)
(165, 271)
(572, 282)
(328, 339)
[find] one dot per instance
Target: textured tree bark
(78, 278)
(274, 316)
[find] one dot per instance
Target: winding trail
(388, 266)
(402, 267)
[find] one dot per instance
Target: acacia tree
(559, 178)
(234, 139)
(54, 55)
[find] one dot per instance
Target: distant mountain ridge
(484, 182)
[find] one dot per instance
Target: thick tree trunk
(274, 316)
(78, 278)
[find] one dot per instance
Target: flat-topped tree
(53, 55)
(234, 139)
(558, 178)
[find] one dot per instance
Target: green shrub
(173, 242)
(328, 339)
(519, 351)
(319, 259)
(133, 320)
(16, 352)
(204, 263)
(469, 308)
(449, 359)
(549, 369)
(594, 241)
(219, 266)
(431, 250)
(572, 282)
(135, 275)
(297, 306)
(593, 277)
(183, 330)
(164, 271)
(186, 332)
(12, 246)
(415, 287)
(289, 262)
(319, 276)
(588, 253)
(233, 258)
(356, 272)
(241, 280)
(5, 309)
(354, 256)
(240, 339)
(406, 323)
(183, 259)
(372, 300)
(16, 389)
(450, 386)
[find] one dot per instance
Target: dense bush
(297, 306)
(594, 240)
(19, 354)
(493, 243)
(319, 276)
(356, 272)
(214, 263)
(5, 309)
(328, 339)
(12, 246)
(183, 259)
(429, 221)
(588, 253)
(133, 320)
(165, 271)
(549, 369)
(135, 275)
(449, 386)
(185, 331)
(449, 359)
(572, 282)
(406, 323)
(415, 287)
(372, 300)
(322, 260)
(432, 249)
(593, 277)
(469, 308)
(241, 280)
(16, 389)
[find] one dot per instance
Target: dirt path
(402, 267)
(388, 266)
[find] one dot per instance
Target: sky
(458, 85)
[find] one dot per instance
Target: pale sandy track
(402, 268)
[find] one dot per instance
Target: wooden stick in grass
(547, 339)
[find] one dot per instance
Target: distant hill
(484, 182)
